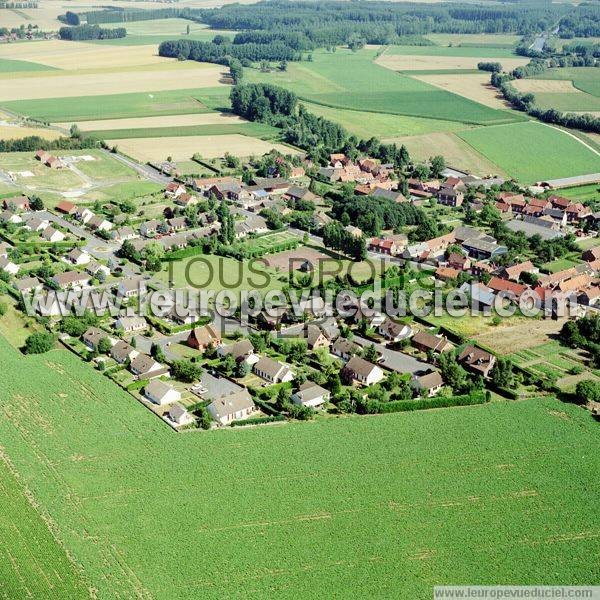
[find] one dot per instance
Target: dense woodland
(90, 32)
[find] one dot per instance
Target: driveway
(394, 360)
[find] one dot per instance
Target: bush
(257, 421)
(39, 343)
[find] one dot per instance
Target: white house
(130, 324)
(129, 288)
(145, 367)
(178, 415)
(9, 267)
(393, 331)
(159, 392)
(233, 407)
(312, 395)
(78, 257)
(363, 371)
(273, 371)
(430, 383)
(84, 215)
(52, 235)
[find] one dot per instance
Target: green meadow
(111, 106)
(565, 101)
(466, 51)
(532, 151)
(348, 507)
(8, 65)
(346, 79)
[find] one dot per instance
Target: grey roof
(309, 390)
(360, 366)
(229, 405)
(158, 388)
(176, 411)
(428, 381)
(531, 229)
(569, 181)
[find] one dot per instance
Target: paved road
(394, 360)
(144, 170)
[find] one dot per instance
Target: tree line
(34, 142)
(336, 237)
(90, 32)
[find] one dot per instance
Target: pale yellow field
(56, 84)
(163, 121)
(14, 132)
(182, 148)
(432, 63)
(458, 153)
(475, 87)
(545, 85)
(63, 54)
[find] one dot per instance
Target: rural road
(144, 170)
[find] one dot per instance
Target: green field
(383, 506)
(558, 265)
(531, 151)
(585, 79)
(482, 40)
(259, 130)
(111, 106)
(576, 101)
(346, 79)
(8, 65)
(467, 51)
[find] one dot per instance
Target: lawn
(531, 151)
(347, 79)
(352, 507)
(582, 192)
(558, 265)
(110, 106)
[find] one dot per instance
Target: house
(384, 246)
(149, 228)
(204, 337)
(93, 268)
(429, 384)
(120, 234)
(254, 224)
(510, 289)
(482, 297)
(446, 273)
(513, 273)
(78, 257)
(66, 208)
(273, 371)
(312, 395)
(131, 324)
(52, 235)
(353, 231)
(233, 407)
(315, 338)
(242, 350)
(99, 224)
(591, 255)
(42, 156)
(186, 200)
(477, 360)
(388, 195)
(71, 280)
(54, 162)
(8, 266)
(345, 348)
(8, 216)
(17, 203)
(130, 288)
(91, 338)
(178, 415)
(159, 392)
(145, 367)
(589, 297)
(393, 331)
(458, 261)
(177, 224)
(203, 185)
(362, 371)
(174, 189)
(452, 192)
(28, 284)
(427, 342)
(121, 352)
(272, 318)
(84, 215)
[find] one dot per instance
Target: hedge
(425, 403)
(257, 421)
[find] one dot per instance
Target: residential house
(428, 342)
(8, 266)
(233, 407)
(311, 395)
(204, 337)
(145, 367)
(513, 273)
(273, 371)
(591, 255)
(28, 285)
(131, 324)
(54, 162)
(241, 351)
(394, 196)
(130, 288)
(186, 200)
(149, 228)
(315, 338)
(78, 257)
(9, 216)
(429, 383)
(66, 208)
(91, 338)
(394, 331)
(203, 185)
(159, 392)
(353, 231)
(120, 234)
(71, 280)
(84, 215)
(52, 235)
(272, 318)
(345, 348)
(174, 189)
(446, 273)
(121, 352)
(177, 224)
(482, 297)
(452, 192)
(509, 289)
(384, 246)
(362, 371)
(98, 223)
(458, 261)
(93, 268)
(17, 203)
(477, 360)
(179, 415)
(42, 156)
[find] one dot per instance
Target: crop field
(183, 148)
(481, 40)
(531, 151)
(13, 66)
(350, 517)
(112, 106)
(456, 151)
(584, 78)
(14, 132)
(559, 94)
(462, 51)
(351, 80)
(474, 86)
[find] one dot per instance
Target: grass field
(112, 106)
(182, 148)
(531, 151)
(558, 265)
(351, 80)
(14, 66)
(559, 94)
(584, 78)
(456, 151)
(376, 508)
(482, 40)
(469, 51)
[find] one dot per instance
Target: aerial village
(486, 236)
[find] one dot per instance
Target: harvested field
(78, 55)
(474, 86)
(413, 62)
(56, 84)
(162, 121)
(14, 132)
(544, 85)
(209, 146)
(457, 152)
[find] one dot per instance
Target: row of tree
(90, 32)
(34, 142)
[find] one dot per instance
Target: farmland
(510, 147)
(182, 148)
(14, 132)
(559, 94)
(289, 524)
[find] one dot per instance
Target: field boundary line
(591, 148)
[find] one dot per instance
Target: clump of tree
(492, 67)
(39, 343)
(336, 237)
(584, 333)
(91, 32)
